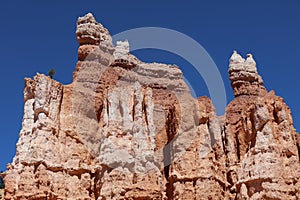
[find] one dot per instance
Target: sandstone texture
(124, 129)
(1, 194)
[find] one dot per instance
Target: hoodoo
(125, 129)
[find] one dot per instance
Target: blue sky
(38, 35)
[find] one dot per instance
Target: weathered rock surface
(1, 194)
(125, 129)
(89, 31)
(260, 140)
(244, 77)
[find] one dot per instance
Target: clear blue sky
(38, 35)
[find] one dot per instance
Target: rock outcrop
(260, 139)
(1, 194)
(244, 77)
(124, 129)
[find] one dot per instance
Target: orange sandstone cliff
(124, 129)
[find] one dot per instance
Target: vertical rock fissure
(211, 134)
(170, 189)
(167, 159)
(237, 142)
(133, 107)
(276, 118)
(223, 136)
(99, 112)
(144, 108)
(59, 108)
(171, 130)
(227, 162)
(97, 175)
(121, 108)
(254, 132)
(107, 106)
(298, 145)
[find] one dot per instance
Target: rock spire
(125, 129)
(244, 77)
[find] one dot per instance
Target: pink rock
(124, 129)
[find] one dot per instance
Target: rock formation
(124, 129)
(1, 194)
(260, 140)
(2, 186)
(244, 77)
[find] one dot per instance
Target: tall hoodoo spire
(244, 77)
(89, 31)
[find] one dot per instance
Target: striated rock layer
(124, 129)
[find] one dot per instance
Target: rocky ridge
(124, 129)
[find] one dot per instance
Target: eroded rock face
(89, 31)
(260, 140)
(244, 77)
(125, 129)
